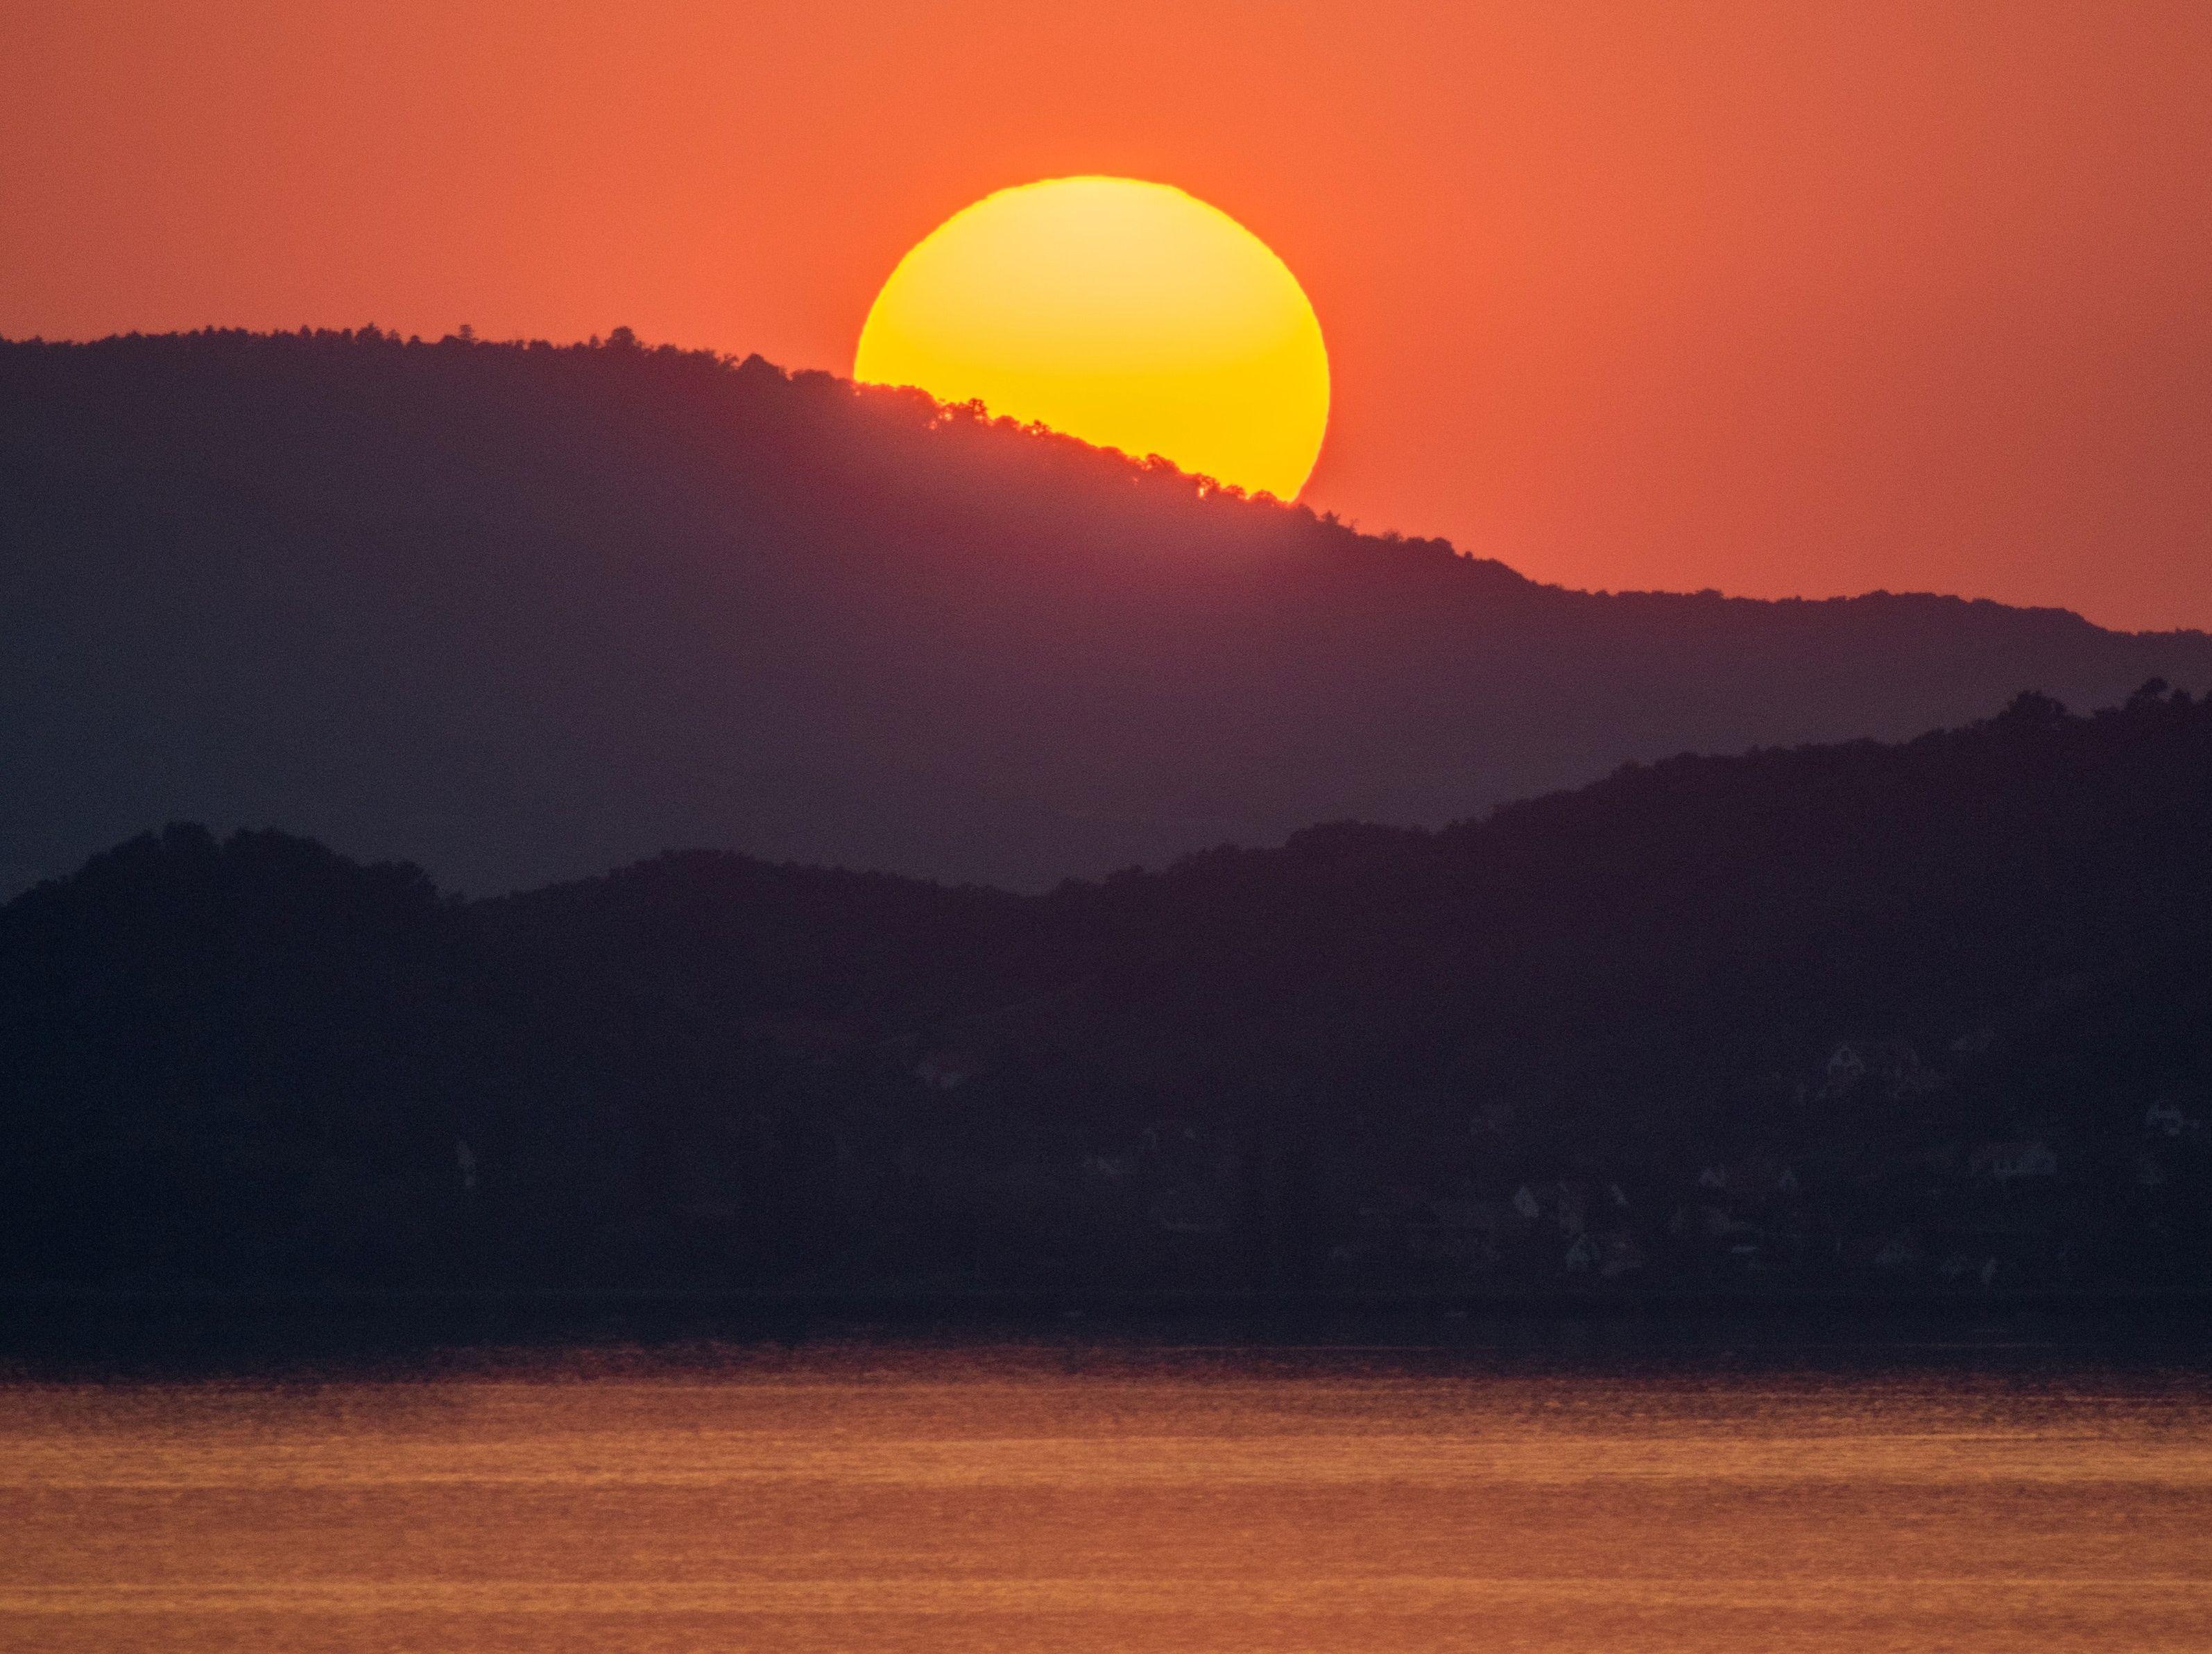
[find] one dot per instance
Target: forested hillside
(1895, 1019)
(522, 613)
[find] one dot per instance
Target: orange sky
(1777, 298)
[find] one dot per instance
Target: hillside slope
(520, 612)
(1832, 1018)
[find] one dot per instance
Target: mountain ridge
(522, 611)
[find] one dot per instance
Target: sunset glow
(777, 876)
(1126, 313)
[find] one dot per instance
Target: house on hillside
(1960, 1267)
(1846, 1067)
(2008, 1162)
(1899, 1252)
(2164, 1118)
(1898, 1069)
(1465, 1231)
(1607, 1256)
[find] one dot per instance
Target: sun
(1128, 314)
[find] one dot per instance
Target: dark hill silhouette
(1867, 1018)
(522, 612)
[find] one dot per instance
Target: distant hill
(518, 613)
(1871, 1019)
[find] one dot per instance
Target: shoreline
(80, 1335)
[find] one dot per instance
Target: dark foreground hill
(523, 613)
(1893, 1020)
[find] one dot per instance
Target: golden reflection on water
(1024, 1500)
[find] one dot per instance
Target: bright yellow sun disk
(1128, 314)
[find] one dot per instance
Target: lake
(866, 1493)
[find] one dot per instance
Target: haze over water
(1038, 1498)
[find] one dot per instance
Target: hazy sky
(1777, 298)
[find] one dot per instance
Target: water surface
(895, 1497)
